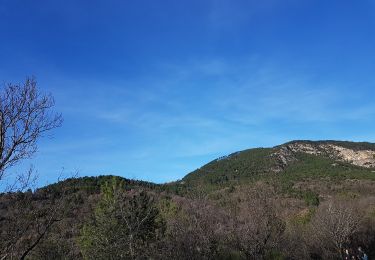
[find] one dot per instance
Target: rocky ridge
(286, 154)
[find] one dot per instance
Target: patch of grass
(304, 218)
(348, 194)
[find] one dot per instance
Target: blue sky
(154, 89)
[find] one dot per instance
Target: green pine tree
(123, 226)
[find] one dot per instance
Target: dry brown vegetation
(249, 205)
(249, 222)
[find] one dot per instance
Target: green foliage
(168, 208)
(93, 185)
(311, 198)
(238, 168)
(247, 167)
(123, 225)
(303, 218)
(231, 255)
(274, 255)
(314, 167)
(103, 212)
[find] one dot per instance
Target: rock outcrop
(286, 154)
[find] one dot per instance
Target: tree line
(130, 220)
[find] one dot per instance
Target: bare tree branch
(25, 115)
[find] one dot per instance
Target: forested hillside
(300, 200)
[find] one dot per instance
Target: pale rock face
(304, 148)
(363, 158)
(285, 155)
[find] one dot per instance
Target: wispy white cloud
(196, 111)
(207, 93)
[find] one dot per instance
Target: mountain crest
(358, 154)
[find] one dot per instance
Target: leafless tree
(25, 115)
(258, 227)
(334, 224)
(200, 230)
(24, 222)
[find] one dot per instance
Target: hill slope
(292, 183)
(333, 159)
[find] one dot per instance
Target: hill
(266, 203)
(295, 160)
